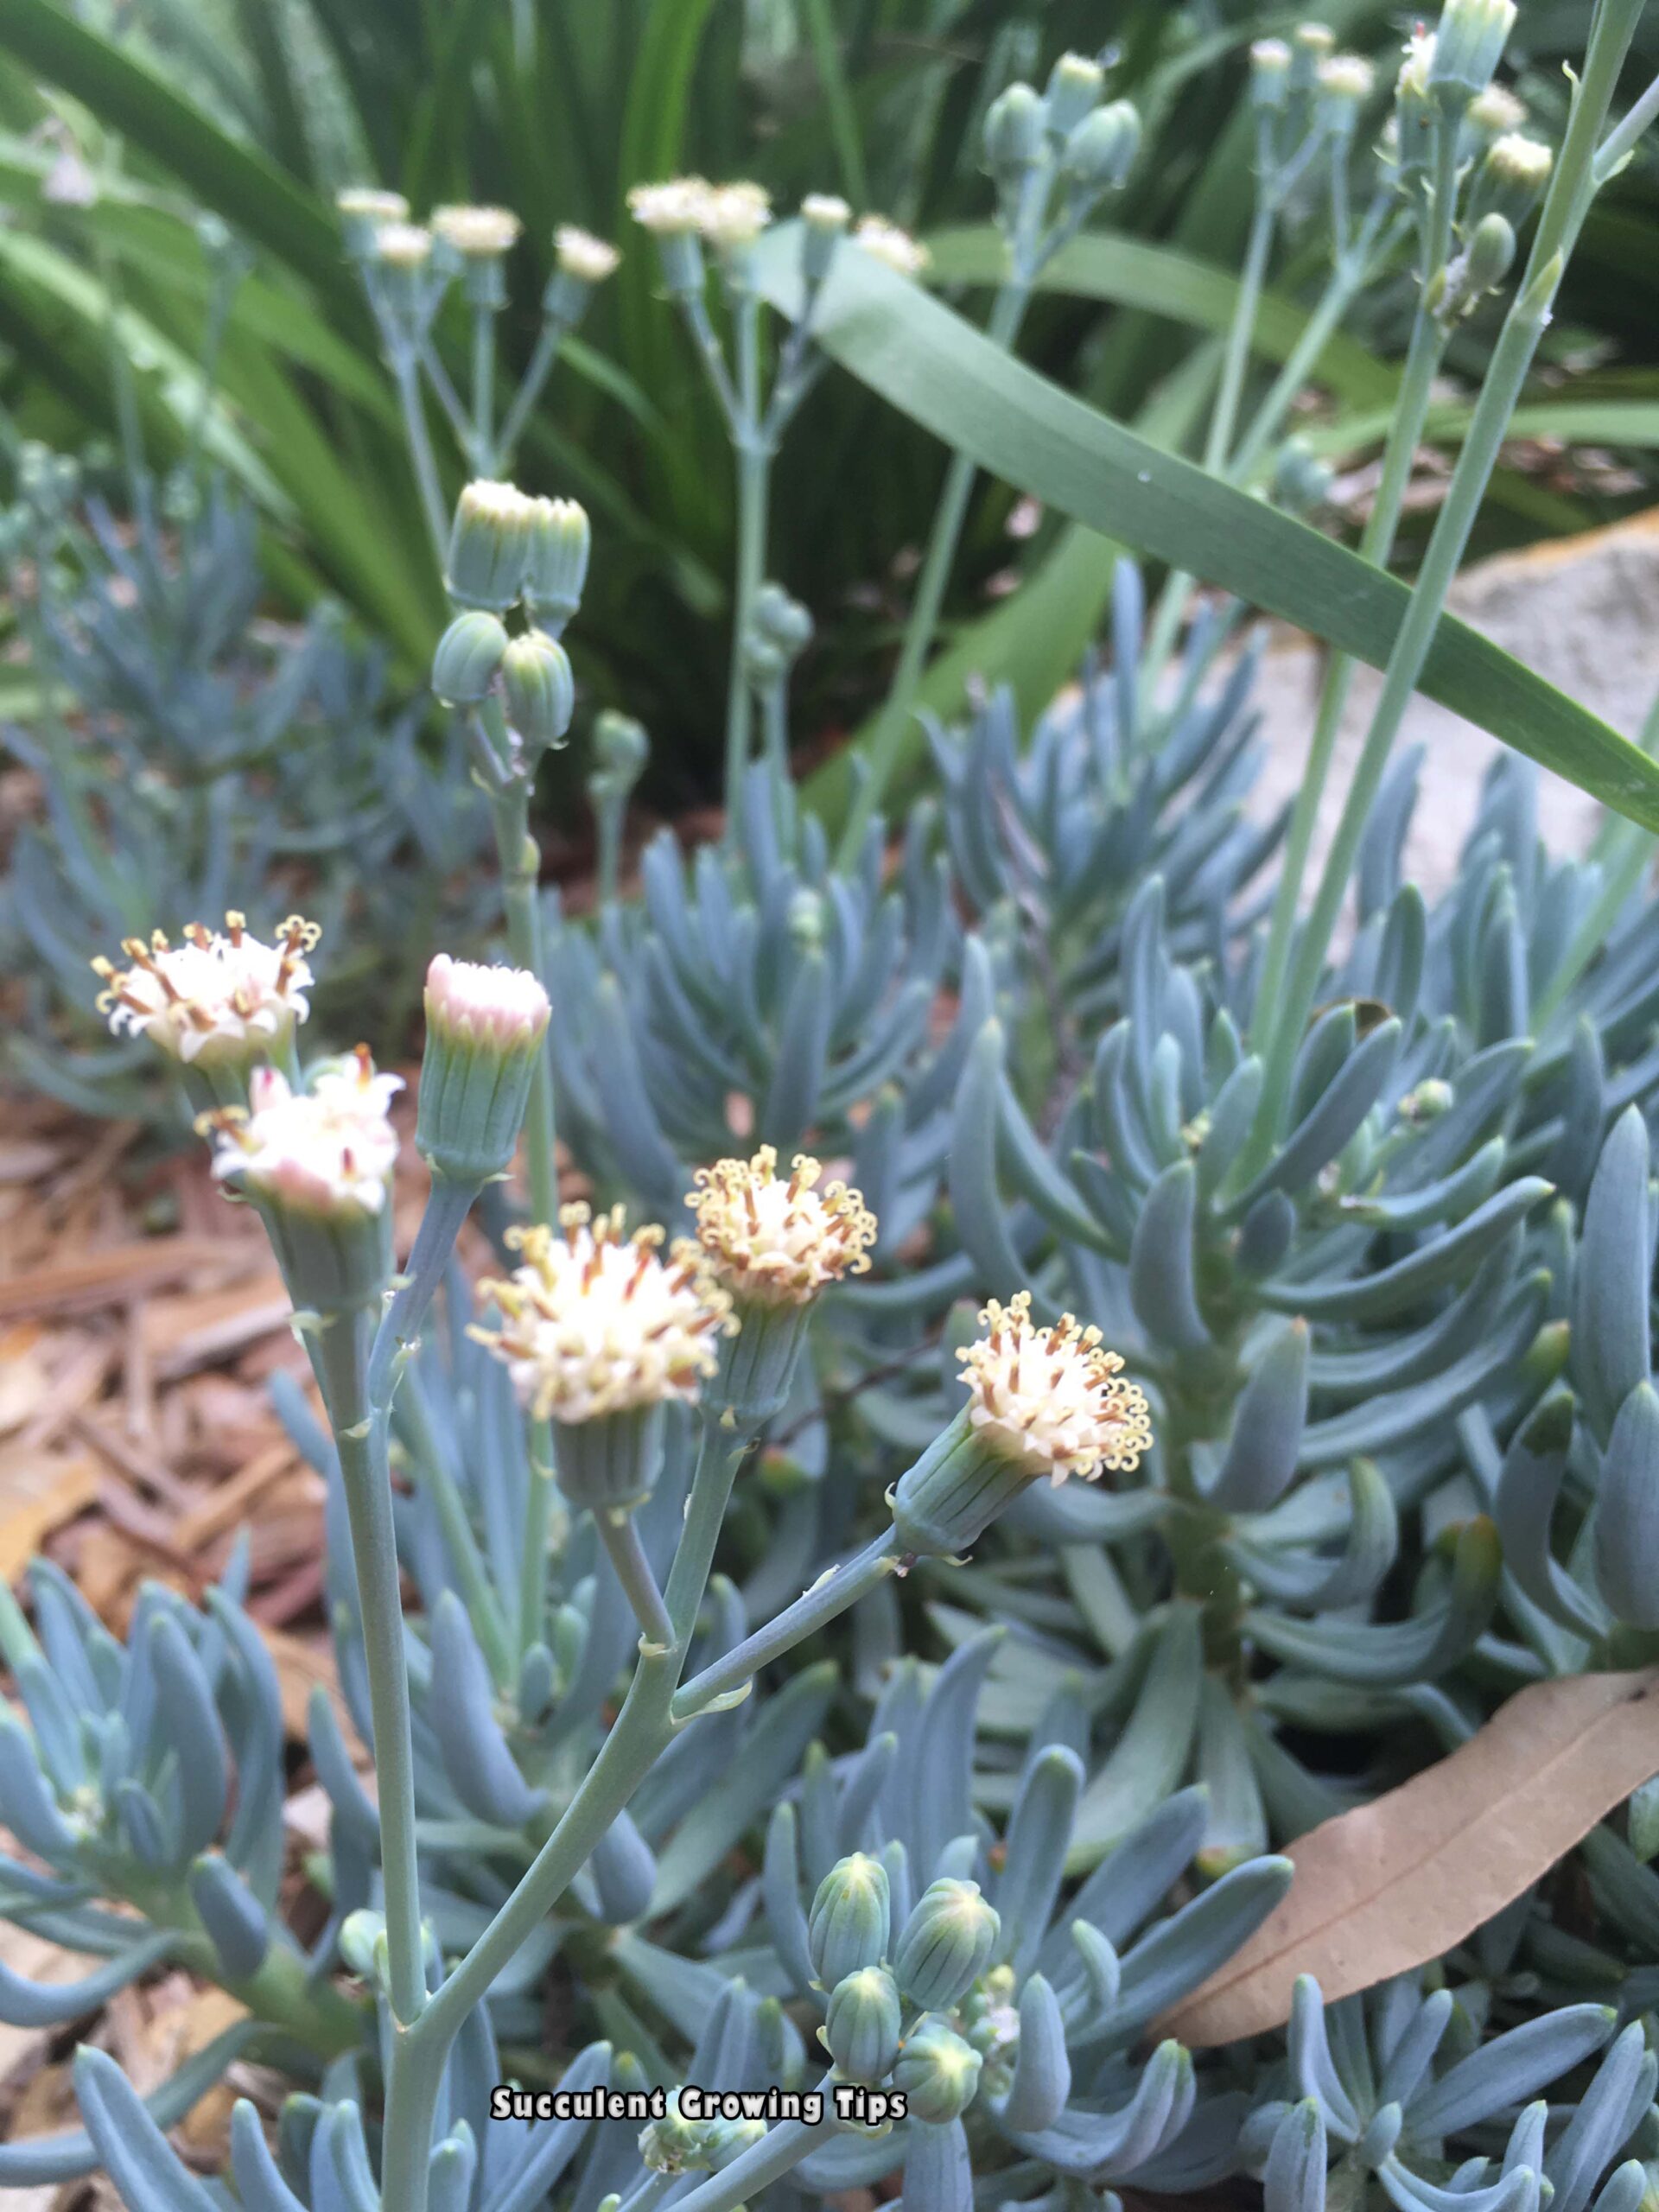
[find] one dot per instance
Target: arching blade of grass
(944, 374)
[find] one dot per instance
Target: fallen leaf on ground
(1395, 1884)
(67, 1487)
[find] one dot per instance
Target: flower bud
(1490, 256)
(488, 543)
(483, 1029)
(1016, 125)
(1311, 44)
(673, 213)
(937, 2072)
(673, 2145)
(1301, 481)
(363, 1946)
(825, 218)
(861, 2028)
(725, 2141)
(850, 1919)
(1510, 180)
(362, 212)
(1469, 44)
(1270, 64)
(1345, 82)
(895, 249)
(621, 749)
(469, 658)
(402, 256)
(946, 1944)
(1101, 151)
(539, 690)
(782, 620)
(559, 542)
(478, 240)
(1075, 84)
(1494, 114)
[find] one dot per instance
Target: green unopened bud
(363, 1946)
(673, 2145)
(621, 748)
(559, 542)
(469, 658)
(539, 690)
(1490, 256)
(362, 212)
(1016, 126)
(1301, 481)
(403, 261)
(825, 218)
(783, 621)
(860, 2028)
(725, 2141)
(581, 262)
(1101, 151)
(1510, 180)
(1075, 84)
(484, 1031)
(1469, 44)
(946, 1944)
(1270, 67)
(850, 1919)
(488, 543)
(937, 2072)
(1428, 1100)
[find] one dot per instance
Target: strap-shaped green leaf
(945, 375)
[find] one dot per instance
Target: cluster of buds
(507, 549)
(774, 1245)
(676, 2144)
(941, 1953)
(1065, 139)
(1041, 1401)
(779, 632)
(1306, 95)
(598, 1332)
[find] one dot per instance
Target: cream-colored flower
(595, 1323)
(670, 208)
(735, 214)
(362, 203)
(825, 210)
(580, 254)
(480, 234)
(1496, 112)
(1520, 161)
(1270, 55)
(886, 242)
(216, 997)
(1420, 59)
(327, 1150)
(1347, 77)
(779, 1243)
(505, 1008)
(1049, 1399)
(404, 245)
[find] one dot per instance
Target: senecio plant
(1234, 1353)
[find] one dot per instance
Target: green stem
(1564, 211)
(793, 1625)
(406, 377)
(483, 455)
(753, 480)
(548, 339)
(520, 862)
(720, 1453)
(619, 1535)
(339, 1353)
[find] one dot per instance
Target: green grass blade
(944, 374)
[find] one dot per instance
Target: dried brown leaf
(1395, 1884)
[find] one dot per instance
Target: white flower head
(478, 233)
(1271, 55)
(217, 997)
(594, 1322)
(1522, 161)
(1420, 59)
(1347, 77)
(778, 1243)
(327, 1150)
(1495, 112)
(503, 1007)
(672, 208)
(886, 242)
(362, 204)
(404, 245)
(580, 254)
(734, 214)
(825, 210)
(1051, 1399)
